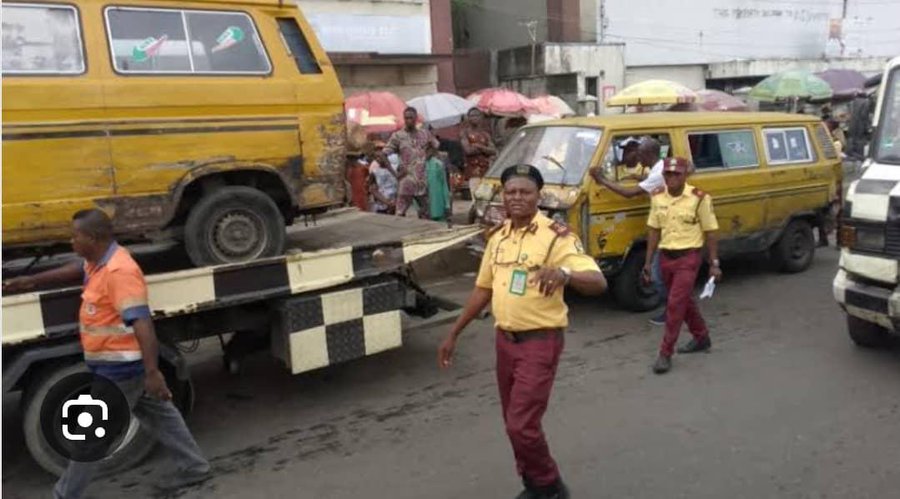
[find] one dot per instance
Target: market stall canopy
(713, 100)
(376, 112)
(441, 110)
(551, 105)
(652, 92)
(791, 84)
(846, 83)
(502, 102)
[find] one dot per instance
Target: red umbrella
(712, 100)
(376, 112)
(502, 102)
(844, 82)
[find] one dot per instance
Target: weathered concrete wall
(691, 76)
(407, 81)
(497, 24)
(563, 69)
(765, 67)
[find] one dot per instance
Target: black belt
(677, 253)
(533, 334)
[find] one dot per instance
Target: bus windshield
(561, 153)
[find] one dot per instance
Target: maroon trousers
(680, 274)
(525, 373)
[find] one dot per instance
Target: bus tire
(234, 224)
(629, 289)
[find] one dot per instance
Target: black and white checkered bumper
(865, 284)
(318, 330)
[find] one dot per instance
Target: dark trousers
(680, 274)
(525, 373)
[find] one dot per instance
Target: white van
(867, 284)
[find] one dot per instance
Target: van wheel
(796, 248)
(629, 289)
(866, 334)
(234, 224)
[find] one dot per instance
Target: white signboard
(380, 34)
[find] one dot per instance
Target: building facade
(401, 46)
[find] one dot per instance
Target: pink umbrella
(376, 112)
(551, 105)
(502, 102)
(712, 100)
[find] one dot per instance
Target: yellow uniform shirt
(683, 219)
(637, 172)
(511, 254)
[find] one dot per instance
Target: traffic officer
(681, 218)
(119, 344)
(528, 261)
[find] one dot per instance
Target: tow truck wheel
(866, 334)
(234, 224)
(135, 447)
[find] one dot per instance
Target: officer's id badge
(90, 309)
(518, 282)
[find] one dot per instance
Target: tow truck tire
(866, 334)
(796, 248)
(138, 443)
(628, 288)
(234, 224)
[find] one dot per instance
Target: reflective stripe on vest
(120, 356)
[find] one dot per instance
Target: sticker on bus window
(229, 38)
(148, 48)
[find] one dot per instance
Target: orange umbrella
(376, 112)
(502, 102)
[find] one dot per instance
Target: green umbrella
(796, 83)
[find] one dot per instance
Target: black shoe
(662, 364)
(695, 346)
(530, 491)
(658, 320)
(556, 490)
(559, 491)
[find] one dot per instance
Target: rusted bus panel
(134, 144)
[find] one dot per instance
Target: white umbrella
(441, 110)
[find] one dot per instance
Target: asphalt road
(783, 406)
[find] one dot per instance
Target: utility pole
(531, 26)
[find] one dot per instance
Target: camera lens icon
(84, 419)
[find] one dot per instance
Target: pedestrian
(528, 261)
(382, 185)
(410, 143)
(438, 188)
(648, 152)
(478, 147)
(120, 344)
(681, 219)
(358, 177)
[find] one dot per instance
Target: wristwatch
(568, 273)
(714, 263)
